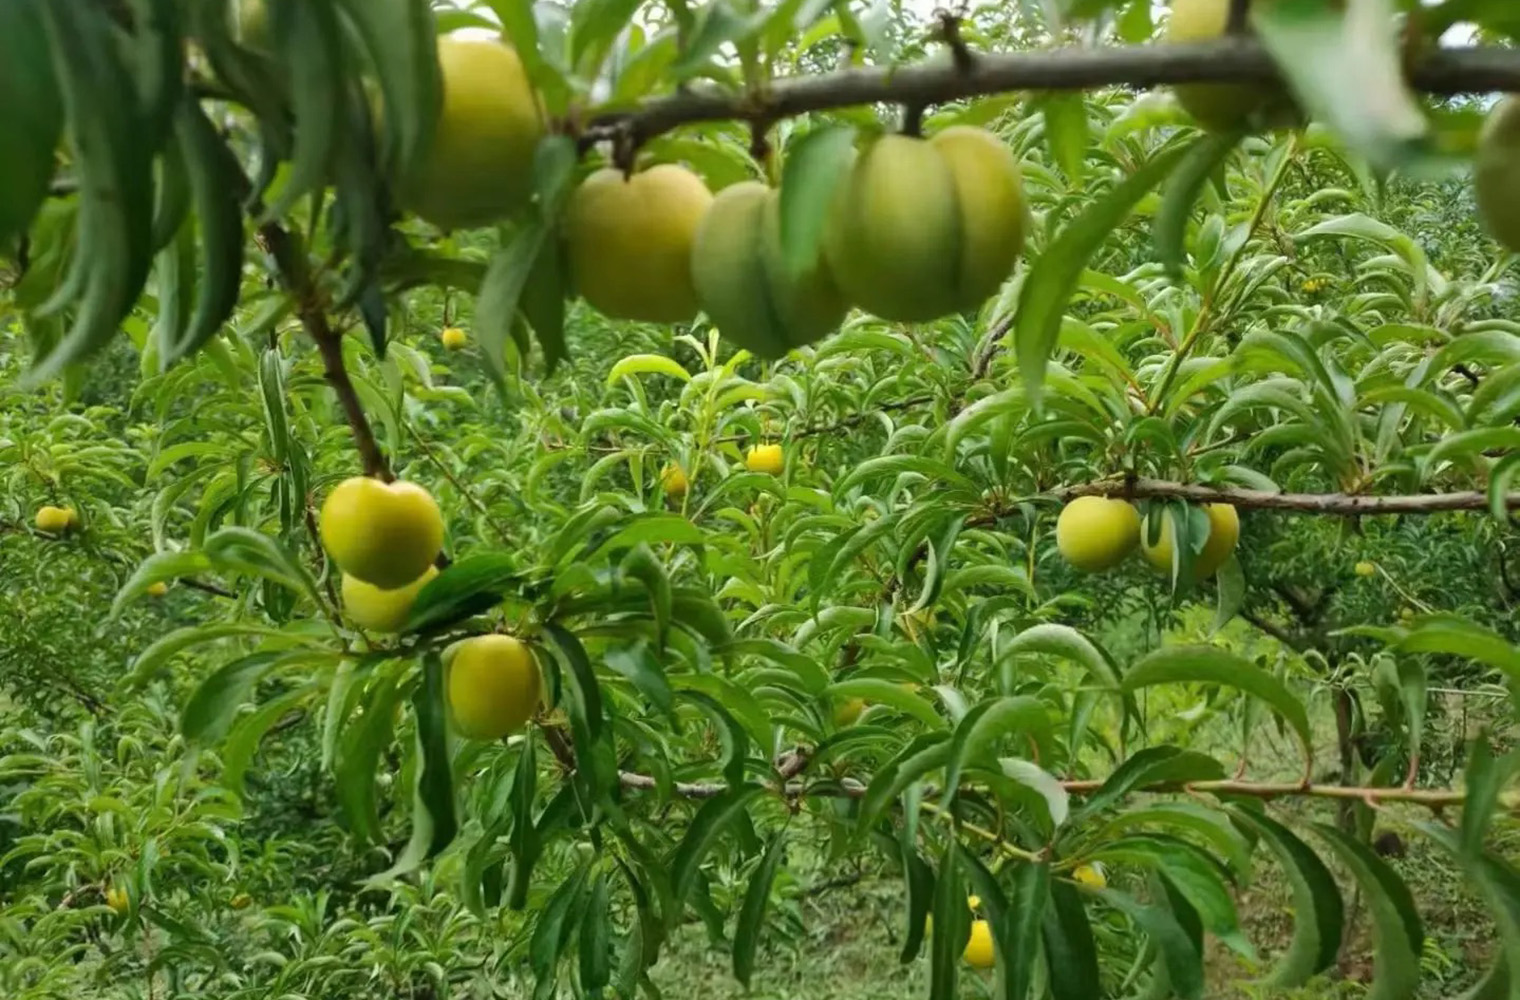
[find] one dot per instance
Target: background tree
(732, 611)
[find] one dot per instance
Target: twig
(470, 497)
(1276, 631)
(1231, 60)
(207, 588)
(1346, 504)
(1430, 798)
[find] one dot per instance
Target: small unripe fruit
(1365, 569)
(766, 458)
(629, 239)
(480, 166)
(849, 711)
(386, 534)
(1224, 532)
(922, 228)
(55, 520)
(118, 900)
(1217, 106)
(453, 338)
(493, 686)
(378, 610)
(674, 482)
(974, 902)
(743, 281)
(1096, 533)
(980, 952)
(1496, 173)
(1091, 876)
(157, 588)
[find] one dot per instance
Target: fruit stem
(913, 119)
(1240, 17)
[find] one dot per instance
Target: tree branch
(1231, 60)
(295, 275)
(1276, 631)
(1346, 504)
(1430, 798)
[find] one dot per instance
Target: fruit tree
(491, 484)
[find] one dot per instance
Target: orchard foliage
(745, 511)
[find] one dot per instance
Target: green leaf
(1066, 642)
(551, 934)
(1346, 67)
(707, 825)
(1231, 582)
(644, 670)
(1053, 278)
(889, 693)
(1151, 766)
(980, 731)
(358, 754)
(161, 566)
(244, 738)
(401, 40)
(31, 127)
(647, 364)
(1070, 954)
(1196, 875)
(922, 755)
(596, 769)
(641, 564)
(211, 708)
(1208, 665)
(1457, 636)
(525, 841)
(1485, 779)
(896, 465)
(501, 292)
(1043, 784)
(752, 912)
(148, 662)
(1318, 913)
(952, 926)
(471, 586)
(1015, 921)
(434, 822)
(593, 27)
(815, 164)
(919, 879)
(1203, 160)
(656, 529)
(734, 740)
(1180, 959)
(717, 23)
(1397, 935)
(596, 938)
(1066, 130)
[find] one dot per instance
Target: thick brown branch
(1234, 60)
(1347, 504)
